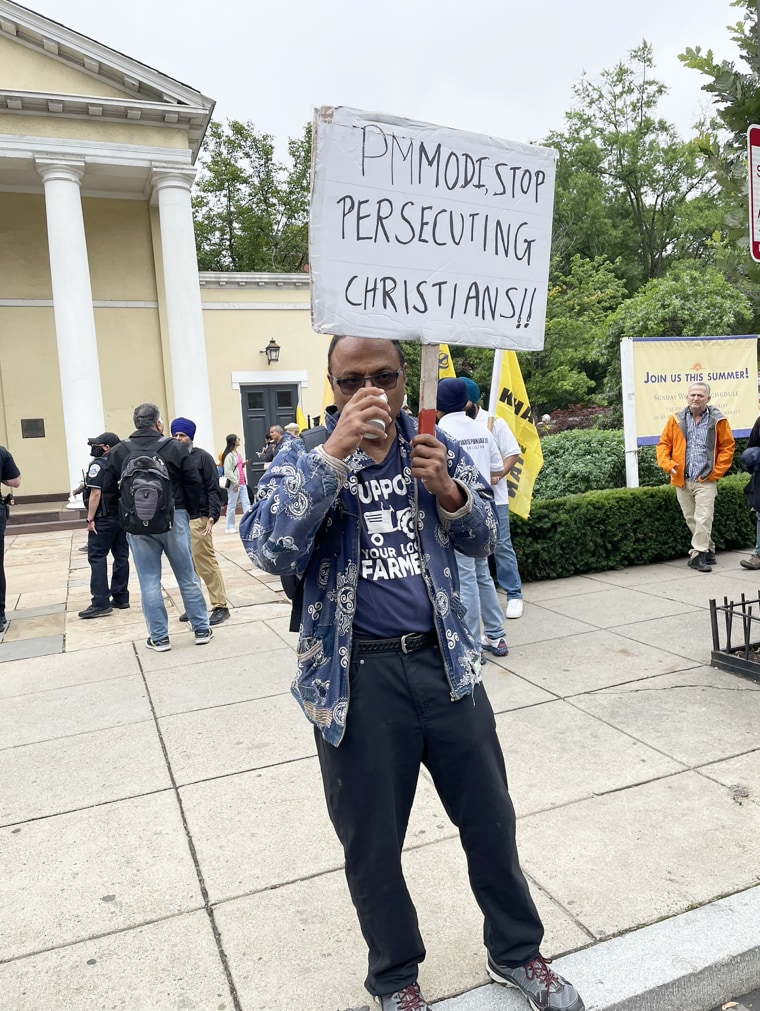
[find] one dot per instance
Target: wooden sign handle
(428, 388)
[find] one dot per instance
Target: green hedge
(611, 529)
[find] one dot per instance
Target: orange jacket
(671, 449)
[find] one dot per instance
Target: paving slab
(262, 829)
(221, 682)
(75, 709)
(685, 635)
(508, 691)
(173, 964)
(47, 672)
(694, 716)
(644, 576)
(698, 592)
(592, 660)
(93, 635)
(251, 592)
(25, 649)
(579, 757)
(13, 614)
(235, 738)
(741, 775)
(616, 605)
(229, 641)
(313, 916)
(106, 868)
(539, 623)
(673, 854)
(51, 777)
(557, 589)
(34, 628)
(39, 598)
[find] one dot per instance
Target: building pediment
(92, 81)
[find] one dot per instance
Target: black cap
(106, 439)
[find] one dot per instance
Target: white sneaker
(514, 608)
(233, 531)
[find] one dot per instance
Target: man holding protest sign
(387, 669)
(696, 448)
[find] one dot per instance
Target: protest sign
(665, 367)
(428, 234)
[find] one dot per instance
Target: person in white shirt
(507, 572)
(476, 587)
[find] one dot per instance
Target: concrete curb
(690, 962)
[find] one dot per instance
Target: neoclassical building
(101, 303)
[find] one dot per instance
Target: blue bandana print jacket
(305, 522)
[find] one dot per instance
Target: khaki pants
(697, 502)
(205, 563)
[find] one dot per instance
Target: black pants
(110, 536)
(401, 715)
(3, 524)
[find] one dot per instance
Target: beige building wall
(121, 139)
(32, 71)
(127, 324)
(239, 324)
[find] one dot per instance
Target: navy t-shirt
(392, 597)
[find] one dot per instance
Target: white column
(187, 341)
(72, 306)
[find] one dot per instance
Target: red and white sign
(753, 146)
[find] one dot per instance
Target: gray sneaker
(408, 999)
(543, 989)
(753, 562)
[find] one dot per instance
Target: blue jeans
(507, 574)
(478, 594)
(146, 553)
(232, 498)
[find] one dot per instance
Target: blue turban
(184, 425)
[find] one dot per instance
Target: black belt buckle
(406, 646)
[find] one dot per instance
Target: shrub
(602, 530)
(580, 460)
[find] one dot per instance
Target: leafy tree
(579, 303)
(251, 211)
(626, 177)
(736, 96)
(690, 303)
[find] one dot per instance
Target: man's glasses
(385, 380)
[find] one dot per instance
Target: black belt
(408, 643)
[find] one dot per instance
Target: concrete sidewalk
(163, 837)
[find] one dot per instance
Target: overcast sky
(491, 66)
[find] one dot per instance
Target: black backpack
(146, 496)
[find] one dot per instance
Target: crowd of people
(386, 535)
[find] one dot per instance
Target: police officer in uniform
(105, 532)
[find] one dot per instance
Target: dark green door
(264, 406)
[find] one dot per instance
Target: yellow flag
(327, 398)
(513, 406)
(445, 364)
(300, 420)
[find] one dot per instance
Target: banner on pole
(445, 364)
(427, 234)
(665, 367)
(513, 406)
